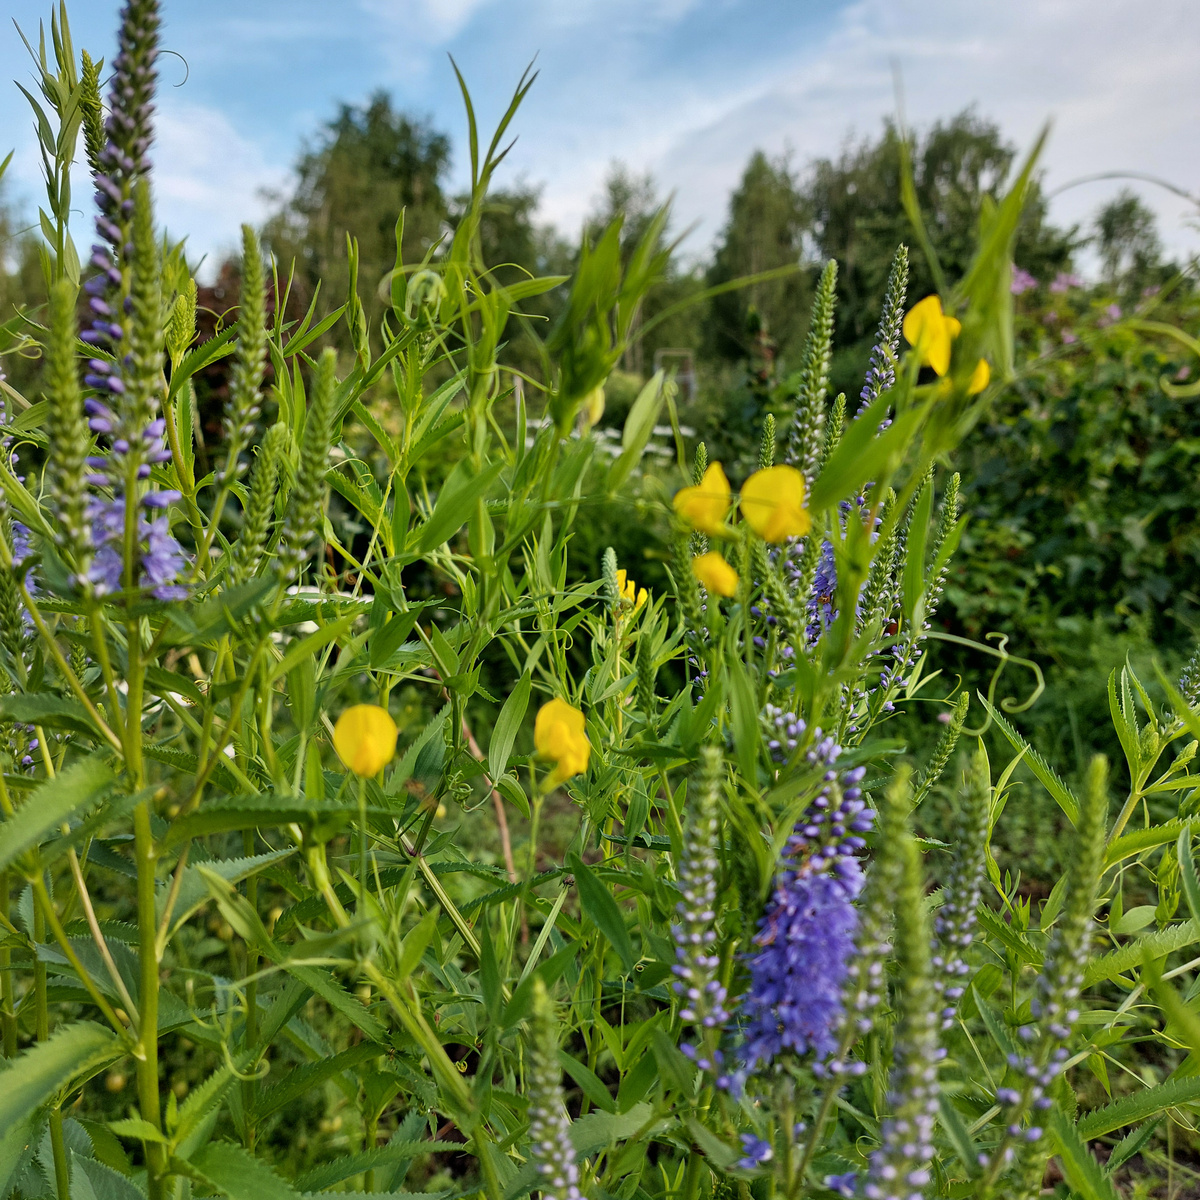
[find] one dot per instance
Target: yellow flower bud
(773, 504)
(634, 596)
(365, 739)
(715, 573)
(704, 505)
(593, 406)
(980, 378)
(559, 735)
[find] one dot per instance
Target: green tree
(766, 228)
(635, 200)
(368, 164)
(1126, 237)
(856, 216)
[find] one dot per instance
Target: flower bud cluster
(900, 1168)
(786, 731)
(954, 925)
(701, 994)
(881, 370)
(550, 1148)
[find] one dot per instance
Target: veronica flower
(881, 370)
(124, 300)
(900, 1168)
(550, 1148)
(807, 934)
(701, 994)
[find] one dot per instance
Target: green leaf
(744, 717)
(860, 455)
(136, 1127)
(327, 1174)
(416, 941)
(1124, 720)
(1156, 945)
(598, 904)
(55, 712)
(960, 1136)
(240, 1175)
(914, 560)
(589, 1082)
(301, 1079)
(193, 891)
(1083, 1172)
(507, 724)
(107, 1183)
(308, 646)
(14, 1140)
(458, 496)
(70, 1054)
(1187, 872)
(1148, 1102)
(50, 805)
(489, 972)
(589, 1135)
(1062, 794)
(639, 425)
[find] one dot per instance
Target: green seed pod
(245, 379)
(66, 428)
(766, 445)
(806, 436)
(260, 507)
(143, 374)
(93, 114)
(306, 504)
(181, 325)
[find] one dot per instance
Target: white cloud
(208, 178)
(1116, 76)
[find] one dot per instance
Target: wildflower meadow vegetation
(732, 935)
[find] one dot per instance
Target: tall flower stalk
(550, 1148)
(697, 984)
(130, 527)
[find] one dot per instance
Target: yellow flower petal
(629, 591)
(773, 504)
(365, 739)
(715, 573)
(704, 505)
(929, 331)
(558, 735)
(980, 378)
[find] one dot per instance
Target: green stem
(42, 896)
(42, 1032)
(250, 1086)
(8, 1019)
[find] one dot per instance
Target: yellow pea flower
(930, 332)
(715, 573)
(558, 735)
(633, 595)
(773, 504)
(704, 505)
(365, 739)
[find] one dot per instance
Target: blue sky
(683, 88)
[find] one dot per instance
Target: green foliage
(281, 907)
